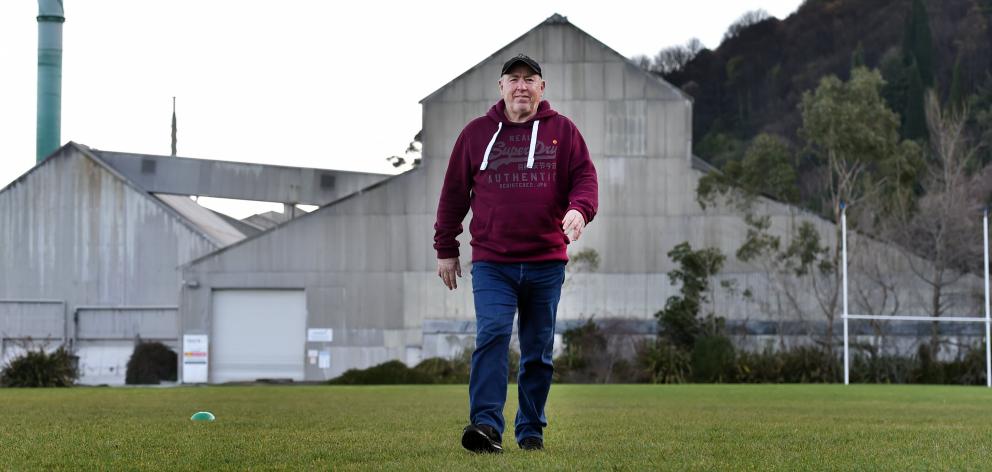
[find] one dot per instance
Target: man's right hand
(448, 269)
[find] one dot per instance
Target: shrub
(151, 363)
(803, 364)
(40, 369)
(623, 371)
(713, 360)
(881, 369)
(678, 322)
(387, 373)
(928, 369)
(760, 367)
(444, 371)
(433, 370)
(810, 364)
(968, 370)
(583, 345)
(658, 361)
(514, 361)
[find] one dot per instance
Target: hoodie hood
(498, 114)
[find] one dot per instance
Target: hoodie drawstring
(530, 153)
(533, 143)
(489, 148)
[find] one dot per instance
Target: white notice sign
(196, 356)
(324, 335)
(324, 361)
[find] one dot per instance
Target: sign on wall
(195, 358)
(325, 335)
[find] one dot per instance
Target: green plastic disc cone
(202, 416)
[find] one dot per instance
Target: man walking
(525, 172)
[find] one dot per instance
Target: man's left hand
(574, 223)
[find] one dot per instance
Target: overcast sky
(300, 83)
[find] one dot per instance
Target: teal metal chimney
(50, 19)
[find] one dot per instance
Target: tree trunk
(935, 299)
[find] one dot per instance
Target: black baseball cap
(521, 58)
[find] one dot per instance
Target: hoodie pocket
(524, 228)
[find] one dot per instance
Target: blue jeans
(501, 290)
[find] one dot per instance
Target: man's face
(521, 89)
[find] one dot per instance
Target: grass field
(626, 427)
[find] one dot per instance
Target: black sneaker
(482, 438)
(532, 443)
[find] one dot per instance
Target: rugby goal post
(952, 319)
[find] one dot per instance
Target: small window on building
(326, 180)
(147, 166)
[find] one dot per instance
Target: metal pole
(988, 319)
(49, 118)
(843, 235)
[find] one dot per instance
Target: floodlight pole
(988, 318)
(843, 235)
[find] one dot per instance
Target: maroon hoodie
(518, 191)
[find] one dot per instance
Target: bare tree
(752, 17)
(675, 58)
(642, 61)
(942, 230)
(670, 59)
(876, 292)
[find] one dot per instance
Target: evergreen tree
(918, 43)
(917, 58)
(858, 56)
(896, 83)
(914, 120)
(848, 126)
(956, 96)
(681, 321)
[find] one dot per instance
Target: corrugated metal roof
(236, 180)
(557, 19)
(205, 220)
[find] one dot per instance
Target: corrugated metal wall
(75, 233)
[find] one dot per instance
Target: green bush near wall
(41, 369)
(150, 364)
(713, 360)
(387, 373)
(434, 370)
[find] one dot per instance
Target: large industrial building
(91, 243)
(96, 248)
(369, 277)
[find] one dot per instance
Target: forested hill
(753, 82)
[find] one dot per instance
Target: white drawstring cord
(489, 148)
(533, 143)
(530, 153)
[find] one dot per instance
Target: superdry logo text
(517, 175)
(503, 154)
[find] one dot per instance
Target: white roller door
(257, 334)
